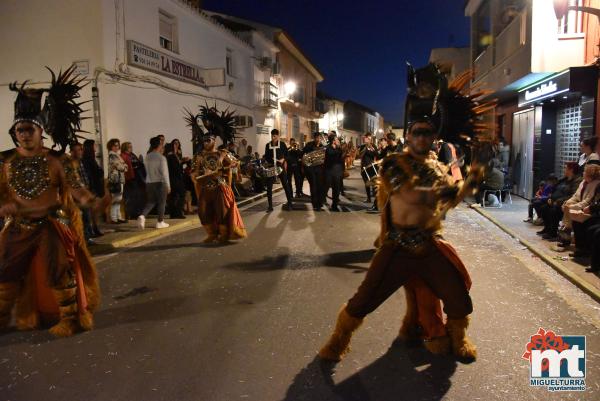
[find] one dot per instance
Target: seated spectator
(552, 212)
(541, 197)
(586, 229)
(581, 199)
(493, 180)
(588, 151)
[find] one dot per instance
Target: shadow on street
(402, 373)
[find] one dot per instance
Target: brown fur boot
(67, 307)
(438, 345)
(461, 344)
(8, 297)
(409, 331)
(86, 321)
(339, 342)
(223, 234)
(212, 234)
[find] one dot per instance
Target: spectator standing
(95, 176)
(133, 192)
(116, 179)
(157, 184)
(242, 149)
(176, 198)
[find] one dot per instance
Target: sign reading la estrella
(549, 87)
(145, 57)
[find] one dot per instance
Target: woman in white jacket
(580, 200)
(116, 179)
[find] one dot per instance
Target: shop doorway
(522, 152)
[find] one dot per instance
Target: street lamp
(289, 88)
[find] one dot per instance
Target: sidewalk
(510, 217)
(123, 235)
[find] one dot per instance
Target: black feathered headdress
(60, 116)
(221, 124)
(455, 113)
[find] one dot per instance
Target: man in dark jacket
(275, 155)
(315, 174)
(294, 166)
(552, 212)
(334, 170)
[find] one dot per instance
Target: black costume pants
(315, 180)
(286, 187)
(296, 172)
(333, 178)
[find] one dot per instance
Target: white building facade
(145, 60)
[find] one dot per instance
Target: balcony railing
(267, 96)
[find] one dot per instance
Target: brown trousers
(392, 266)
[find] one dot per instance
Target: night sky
(361, 47)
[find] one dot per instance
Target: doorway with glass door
(522, 152)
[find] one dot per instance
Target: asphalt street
(181, 320)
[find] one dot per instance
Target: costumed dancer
(217, 209)
(415, 192)
(276, 153)
(46, 272)
(315, 173)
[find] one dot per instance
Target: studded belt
(31, 224)
(412, 239)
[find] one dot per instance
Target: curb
(586, 287)
(154, 233)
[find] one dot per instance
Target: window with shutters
(167, 31)
(229, 62)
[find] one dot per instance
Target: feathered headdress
(219, 124)
(60, 116)
(450, 108)
(197, 133)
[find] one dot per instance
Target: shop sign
(144, 57)
(549, 87)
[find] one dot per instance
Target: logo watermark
(556, 362)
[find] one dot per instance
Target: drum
(269, 172)
(370, 173)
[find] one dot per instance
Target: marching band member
(334, 169)
(294, 165)
(275, 155)
(368, 155)
(314, 174)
